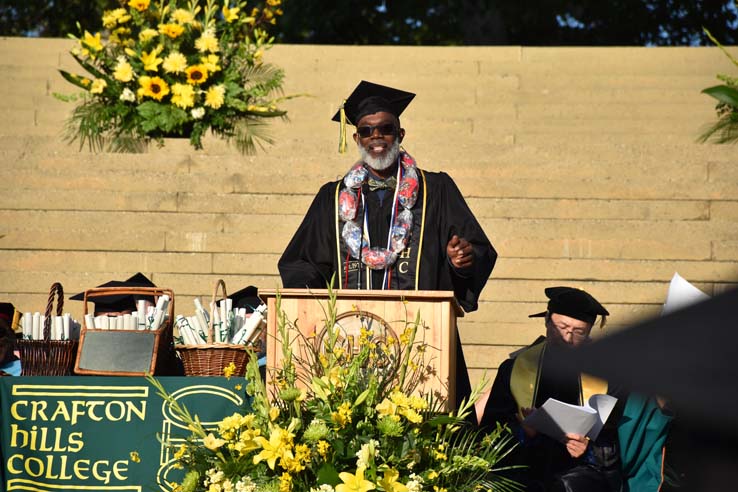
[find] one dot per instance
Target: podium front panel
(438, 311)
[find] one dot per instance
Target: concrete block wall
(580, 163)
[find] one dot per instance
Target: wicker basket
(159, 357)
(212, 358)
(49, 357)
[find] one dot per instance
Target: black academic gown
(316, 252)
(547, 459)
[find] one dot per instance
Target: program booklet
(556, 419)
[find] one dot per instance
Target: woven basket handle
(56, 288)
(219, 283)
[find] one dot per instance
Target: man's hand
(576, 445)
(460, 252)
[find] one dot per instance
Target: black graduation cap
(122, 302)
(246, 298)
(689, 357)
(370, 98)
(574, 303)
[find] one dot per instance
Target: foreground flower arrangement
(344, 418)
(176, 68)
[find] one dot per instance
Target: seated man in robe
(388, 224)
(533, 375)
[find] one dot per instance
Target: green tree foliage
(440, 22)
(51, 18)
(508, 22)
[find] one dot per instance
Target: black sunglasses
(384, 129)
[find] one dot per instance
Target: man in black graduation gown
(388, 224)
(539, 372)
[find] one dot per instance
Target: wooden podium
(385, 310)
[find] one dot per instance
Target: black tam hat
(369, 98)
(574, 303)
(122, 302)
(246, 298)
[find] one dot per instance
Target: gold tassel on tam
(342, 130)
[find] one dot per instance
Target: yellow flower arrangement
(341, 419)
(162, 68)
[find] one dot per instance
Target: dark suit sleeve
(459, 220)
(309, 259)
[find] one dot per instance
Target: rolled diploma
(252, 323)
(35, 326)
(67, 326)
(57, 328)
(141, 310)
(27, 326)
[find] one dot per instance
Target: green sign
(102, 434)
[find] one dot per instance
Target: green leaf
(723, 93)
(327, 474)
(74, 79)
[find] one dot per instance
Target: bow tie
(379, 184)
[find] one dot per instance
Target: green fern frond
(725, 130)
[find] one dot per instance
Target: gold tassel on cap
(342, 130)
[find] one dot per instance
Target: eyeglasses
(577, 333)
(384, 129)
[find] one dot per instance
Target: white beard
(381, 163)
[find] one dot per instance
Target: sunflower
(153, 87)
(196, 74)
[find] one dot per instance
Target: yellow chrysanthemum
(174, 62)
(285, 482)
(342, 416)
(354, 483)
(123, 71)
(230, 15)
(183, 95)
(182, 16)
(151, 59)
(171, 30)
(210, 62)
(139, 5)
(215, 96)
(111, 18)
(196, 74)
(207, 42)
(147, 35)
(98, 85)
(153, 87)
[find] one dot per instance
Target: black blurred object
(247, 298)
(690, 358)
(119, 303)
